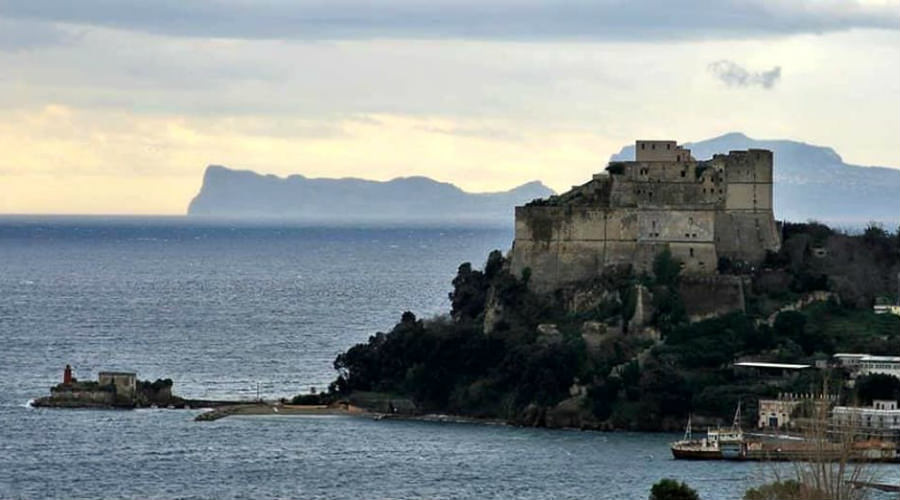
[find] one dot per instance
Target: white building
(886, 309)
(865, 364)
(888, 365)
(848, 359)
(882, 415)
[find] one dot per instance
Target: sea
(234, 310)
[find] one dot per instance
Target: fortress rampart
(700, 210)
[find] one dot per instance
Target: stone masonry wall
(699, 210)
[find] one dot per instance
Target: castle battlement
(699, 210)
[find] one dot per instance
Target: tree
(666, 268)
(789, 489)
(877, 386)
(670, 489)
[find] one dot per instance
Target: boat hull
(688, 454)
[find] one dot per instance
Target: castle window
(687, 235)
(683, 173)
(643, 146)
(692, 252)
(653, 146)
(690, 220)
(669, 146)
(694, 235)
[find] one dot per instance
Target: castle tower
(700, 210)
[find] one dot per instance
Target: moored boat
(718, 444)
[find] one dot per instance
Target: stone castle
(700, 210)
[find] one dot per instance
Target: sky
(116, 107)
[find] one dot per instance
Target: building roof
(882, 359)
(779, 366)
(849, 355)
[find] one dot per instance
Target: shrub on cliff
(451, 364)
(670, 489)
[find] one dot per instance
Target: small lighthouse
(67, 375)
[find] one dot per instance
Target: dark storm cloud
(469, 19)
(735, 75)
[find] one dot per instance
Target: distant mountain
(813, 182)
(242, 193)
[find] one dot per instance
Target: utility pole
(257, 392)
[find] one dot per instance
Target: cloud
(18, 35)
(636, 20)
(735, 75)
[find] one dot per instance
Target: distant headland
(245, 194)
(805, 176)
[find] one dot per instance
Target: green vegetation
(506, 352)
(789, 489)
(670, 489)
(877, 386)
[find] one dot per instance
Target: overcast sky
(108, 106)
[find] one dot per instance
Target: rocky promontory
(246, 194)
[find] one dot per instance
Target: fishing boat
(734, 444)
(719, 443)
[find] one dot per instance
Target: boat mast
(687, 430)
(736, 425)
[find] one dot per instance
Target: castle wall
(713, 295)
(746, 235)
(660, 151)
(699, 210)
(568, 244)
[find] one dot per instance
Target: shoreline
(269, 409)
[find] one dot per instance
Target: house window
(669, 146)
(643, 146)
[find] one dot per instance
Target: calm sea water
(223, 307)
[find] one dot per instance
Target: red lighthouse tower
(67, 375)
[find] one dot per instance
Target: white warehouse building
(865, 364)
